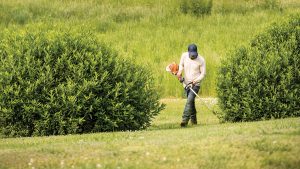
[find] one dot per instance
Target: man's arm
(181, 66)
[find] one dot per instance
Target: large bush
(246, 6)
(196, 7)
(62, 82)
(262, 81)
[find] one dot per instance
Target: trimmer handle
(189, 85)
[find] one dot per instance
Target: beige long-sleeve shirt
(194, 70)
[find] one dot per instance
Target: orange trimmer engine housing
(173, 68)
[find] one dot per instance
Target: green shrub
(270, 4)
(63, 82)
(196, 7)
(262, 81)
(246, 6)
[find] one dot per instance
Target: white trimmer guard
(168, 68)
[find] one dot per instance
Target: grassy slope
(265, 144)
(154, 32)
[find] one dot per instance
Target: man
(194, 69)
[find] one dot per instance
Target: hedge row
(262, 80)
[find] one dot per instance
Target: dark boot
(194, 118)
(194, 122)
(183, 124)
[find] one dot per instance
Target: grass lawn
(264, 144)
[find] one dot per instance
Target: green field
(265, 144)
(155, 32)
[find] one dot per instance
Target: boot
(194, 122)
(183, 124)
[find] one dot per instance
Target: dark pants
(190, 109)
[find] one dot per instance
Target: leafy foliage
(196, 7)
(262, 81)
(270, 4)
(63, 82)
(246, 6)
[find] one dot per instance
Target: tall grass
(155, 32)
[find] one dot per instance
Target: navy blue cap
(192, 49)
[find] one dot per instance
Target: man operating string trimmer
(193, 66)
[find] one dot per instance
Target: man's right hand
(178, 74)
(180, 78)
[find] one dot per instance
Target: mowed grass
(263, 144)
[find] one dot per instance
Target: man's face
(193, 57)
